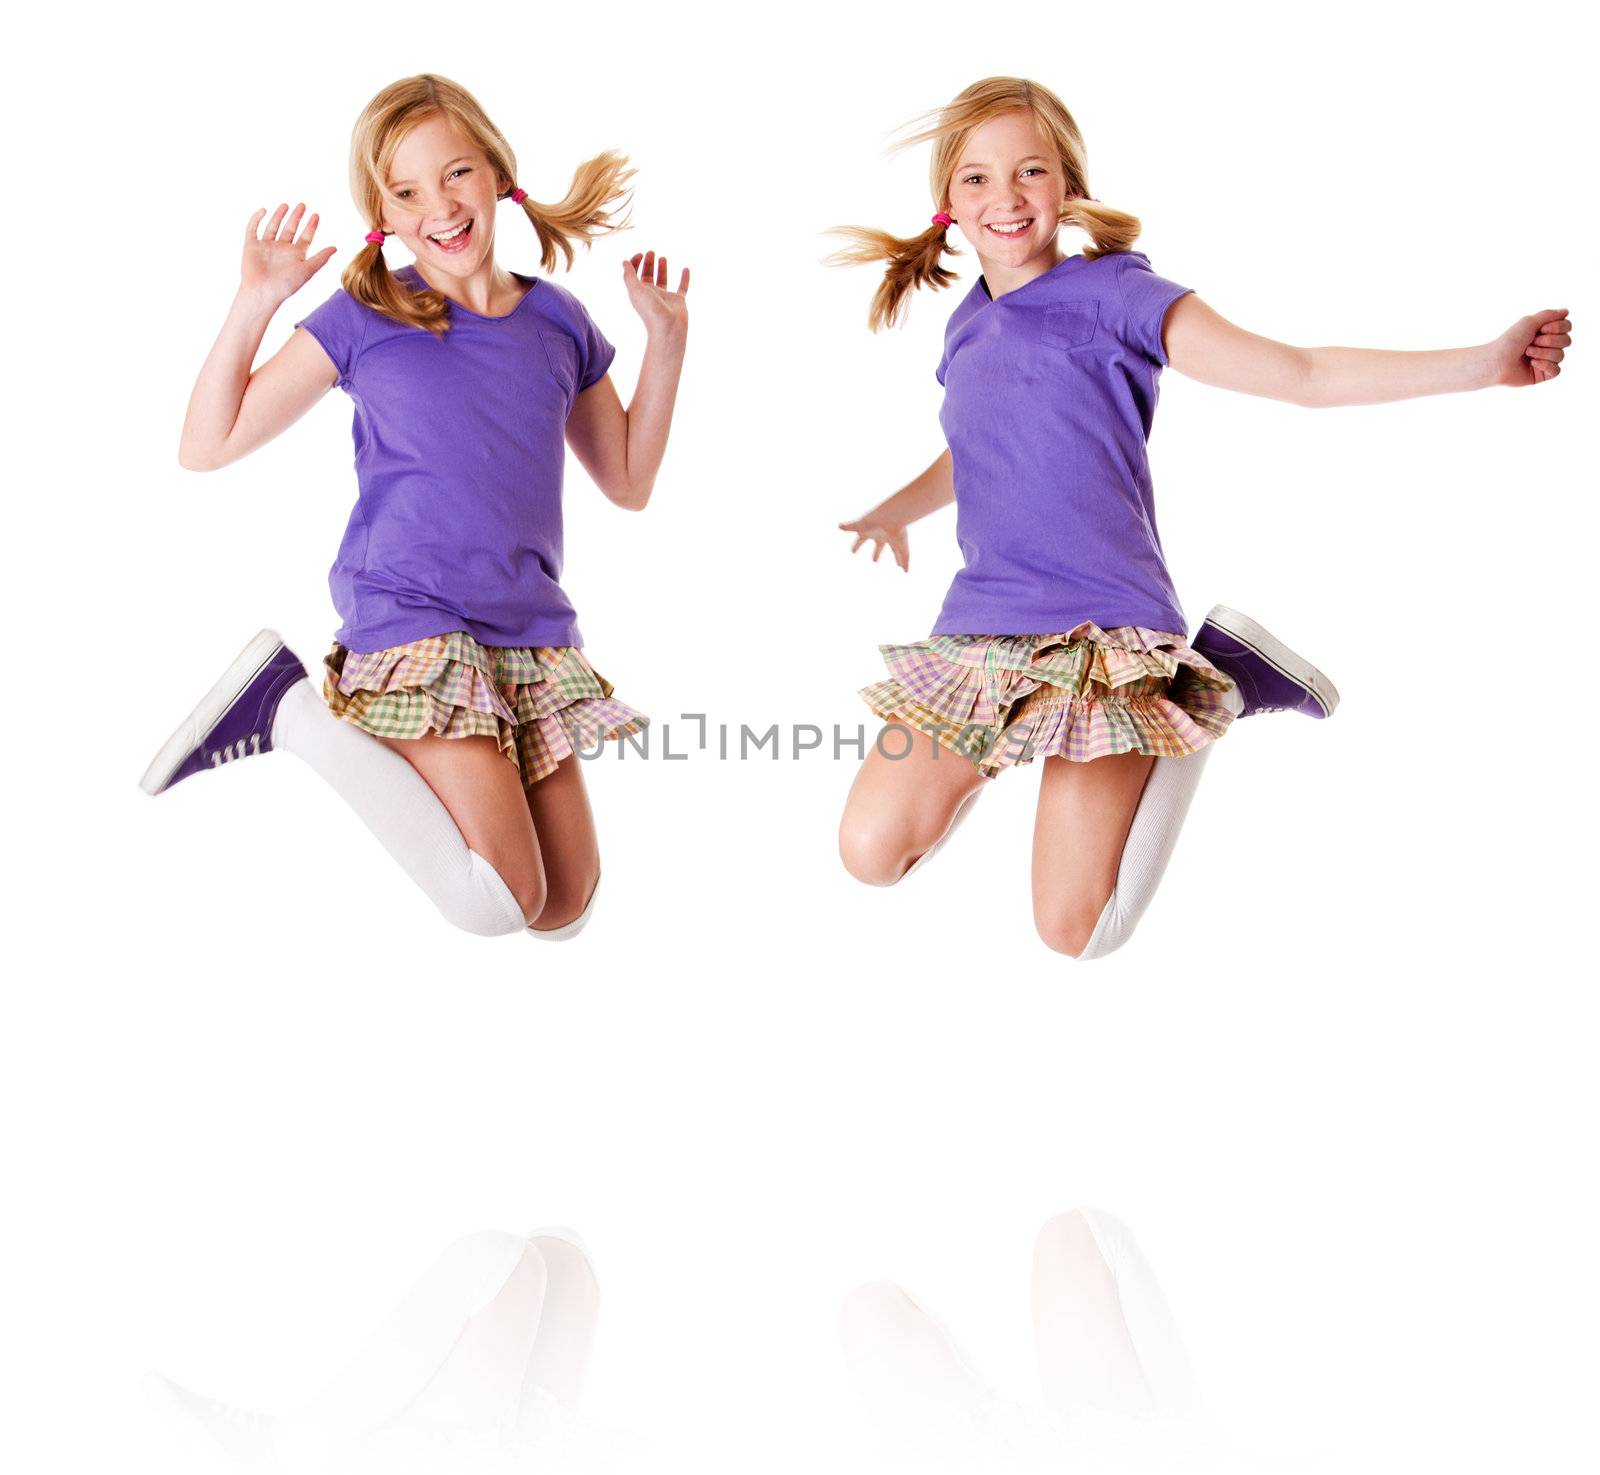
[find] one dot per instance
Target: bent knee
(527, 884)
(877, 1310)
(566, 902)
(1067, 927)
(871, 853)
(486, 900)
(1068, 1240)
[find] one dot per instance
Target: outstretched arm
(621, 449)
(888, 521)
(1203, 345)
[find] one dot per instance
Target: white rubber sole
(1277, 654)
(192, 731)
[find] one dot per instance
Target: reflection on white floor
(480, 1369)
(1116, 1389)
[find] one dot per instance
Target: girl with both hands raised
(1062, 636)
(458, 696)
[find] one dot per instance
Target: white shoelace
(244, 748)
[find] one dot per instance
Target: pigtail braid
(1109, 229)
(914, 262)
(598, 203)
(369, 280)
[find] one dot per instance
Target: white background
(1340, 1084)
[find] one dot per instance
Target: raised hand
(881, 532)
(275, 264)
(663, 309)
(1530, 350)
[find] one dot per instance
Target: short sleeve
(944, 356)
(340, 326)
(594, 351)
(1145, 300)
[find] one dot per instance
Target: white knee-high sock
(1151, 840)
(399, 808)
(1163, 806)
(497, 1330)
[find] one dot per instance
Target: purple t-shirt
(1049, 396)
(460, 447)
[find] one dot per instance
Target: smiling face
(1006, 194)
(440, 198)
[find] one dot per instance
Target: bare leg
(1084, 814)
(559, 808)
(1104, 1335)
(900, 807)
(483, 791)
(1085, 1353)
(1082, 837)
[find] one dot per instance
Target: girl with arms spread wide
(1062, 636)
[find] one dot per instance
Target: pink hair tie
(376, 236)
(942, 219)
(518, 196)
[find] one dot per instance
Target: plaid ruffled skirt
(541, 704)
(1001, 700)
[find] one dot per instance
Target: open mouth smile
(1009, 229)
(454, 239)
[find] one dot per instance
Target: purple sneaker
(1271, 677)
(235, 718)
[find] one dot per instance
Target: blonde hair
(586, 212)
(914, 260)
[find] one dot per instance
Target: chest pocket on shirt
(563, 355)
(1070, 324)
